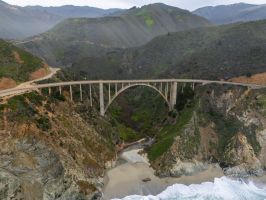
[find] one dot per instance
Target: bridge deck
(72, 83)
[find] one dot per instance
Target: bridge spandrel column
(71, 93)
(101, 99)
(173, 95)
(60, 90)
(109, 93)
(90, 96)
(80, 90)
(116, 88)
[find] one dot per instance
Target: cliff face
(52, 149)
(226, 126)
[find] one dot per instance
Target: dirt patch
(6, 83)
(17, 57)
(259, 79)
(40, 73)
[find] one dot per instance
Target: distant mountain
(22, 22)
(204, 53)
(74, 38)
(18, 22)
(226, 14)
(70, 11)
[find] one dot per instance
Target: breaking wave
(221, 189)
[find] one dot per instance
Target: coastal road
(22, 88)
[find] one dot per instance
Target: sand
(127, 178)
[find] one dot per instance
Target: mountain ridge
(226, 14)
(94, 36)
(21, 22)
(207, 53)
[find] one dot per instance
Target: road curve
(19, 90)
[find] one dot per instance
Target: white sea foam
(221, 189)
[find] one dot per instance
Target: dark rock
(146, 180)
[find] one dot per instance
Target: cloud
(186, 4)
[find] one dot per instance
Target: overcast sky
(185, 4)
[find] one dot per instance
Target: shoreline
(127, 177)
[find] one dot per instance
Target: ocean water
(221, 189)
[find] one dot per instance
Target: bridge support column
(109, 93)
(71, 93)
(166, 91)
(101, 99)
(50, 91)
(60, 90)
(80, 90)
(116, 88)
(173, 94)
(90, 96)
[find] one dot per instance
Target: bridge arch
(123, 89)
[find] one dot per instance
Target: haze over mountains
(156, 40)
(226, 14)
(135, 27)
(20, 22)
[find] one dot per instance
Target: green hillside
(16, 63)
(207, 53)
(81, 37)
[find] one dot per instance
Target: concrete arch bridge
(109, 90)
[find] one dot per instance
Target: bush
(44, 123)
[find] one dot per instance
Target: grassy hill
(16, 63)
(226, 14)
(207, 53)
(81, 37)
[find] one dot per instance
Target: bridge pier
(80, 90)
(71, 93)
(60, 90)
(173, 95)
(166, 91)
(109, 93)
(102, 110)
(90, 96)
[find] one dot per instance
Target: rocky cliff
(222, 125)
(52, 149)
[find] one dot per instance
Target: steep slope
(52, 149)
(17, 22)
(70, 11)
(226, 14)
(17, 65)
(206, 53)
(220, 124)
(133, 28)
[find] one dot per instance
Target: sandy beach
(127, 178)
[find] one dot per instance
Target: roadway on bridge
(29, 87)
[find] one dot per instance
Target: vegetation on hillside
(16, 63)
(205, 53)
(74, 39)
